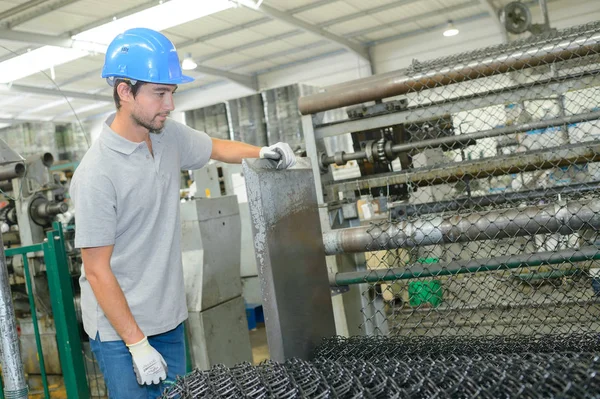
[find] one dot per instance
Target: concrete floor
(258, 341)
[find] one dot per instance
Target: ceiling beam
(20, 8)
(292, 33)
(102, 21)
(18, 121)
(35, 38)
(364, 13)
(65, 39)
(251, 24)
(415, 18)
(57, 93)
(43, 10)
(358, 49)
(248, 81)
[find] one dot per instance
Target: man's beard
(152, 127)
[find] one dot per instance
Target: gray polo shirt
(125, 197)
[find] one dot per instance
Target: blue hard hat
(145, 55)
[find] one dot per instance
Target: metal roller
(15, 386)
(399, 83)
(514, 198)
(10, 171)
(507, 223)
(466, 266)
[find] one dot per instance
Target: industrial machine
(475, 211)
(477, 192)
(34, 197)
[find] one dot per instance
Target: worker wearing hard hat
(126, 196)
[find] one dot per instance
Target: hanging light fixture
(451, 30)
(188, 62)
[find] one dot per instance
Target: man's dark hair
(134, 90)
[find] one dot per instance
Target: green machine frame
(63, 309)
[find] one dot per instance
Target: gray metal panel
(219, 335)
(290, 257)
(211, 251)
(207, 178)
(248, 258)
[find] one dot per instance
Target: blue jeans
(116, 365)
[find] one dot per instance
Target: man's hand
(281, 152)
(148, 364)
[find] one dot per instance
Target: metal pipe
(47, 159)
(15, 386)
(499, 224)
(10, 171)
(494, 199)
(509, 262)
(36, 328)
(397, 83)
(6, 186)
(589, 116)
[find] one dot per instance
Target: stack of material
(284, 121)
(212, 120)
(248, 120)
(563, 366)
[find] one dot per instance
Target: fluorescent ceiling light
(254, 4)
(37, 60)
(451, 30)
(160, 17)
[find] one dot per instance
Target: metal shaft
(6, 186)
(467, 266)
(506, 223)
(567, 155)
(15, 386)
(50, 209)
(494, 199)
(11, 171)
(468, 138)
(398, 83)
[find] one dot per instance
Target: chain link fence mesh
(480, 274)
(496, 233)
(491, 375)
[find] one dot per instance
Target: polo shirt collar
(115, 142)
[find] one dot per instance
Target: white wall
(390, 56)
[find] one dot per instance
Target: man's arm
(232, 151)
(109, 295)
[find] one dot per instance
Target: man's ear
(124, 92)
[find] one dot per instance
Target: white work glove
(148, 364)
(281, 152)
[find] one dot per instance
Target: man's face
(152, 105)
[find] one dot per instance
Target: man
(126, 196)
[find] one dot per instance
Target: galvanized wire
(369, 348)
(492, 375)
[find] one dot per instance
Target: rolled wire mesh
(491, 375)
(481, 277)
